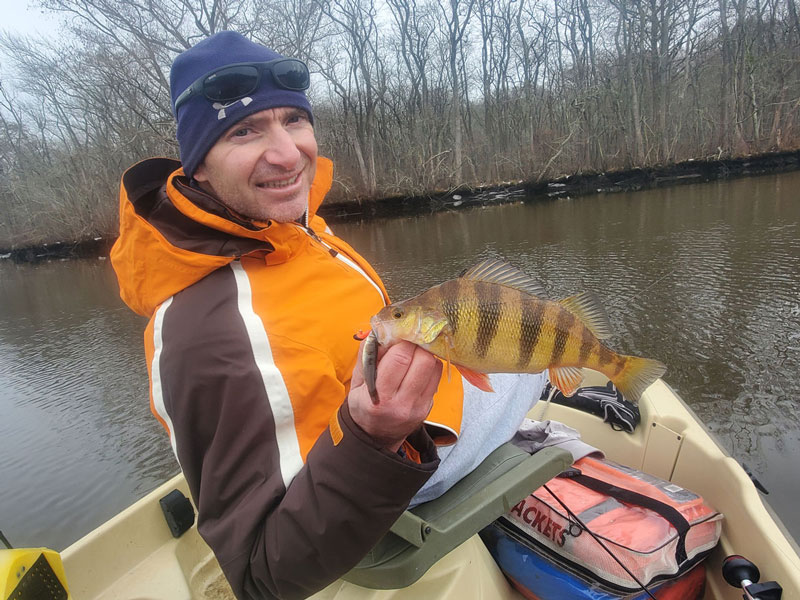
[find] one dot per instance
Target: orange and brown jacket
(250, 350)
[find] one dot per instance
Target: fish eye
(397, 313)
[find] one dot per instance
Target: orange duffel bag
(655, 528)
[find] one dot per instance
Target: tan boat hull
(134, 556)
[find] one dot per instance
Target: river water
(705, 278)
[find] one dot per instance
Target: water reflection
(705, 278)
(78, 439)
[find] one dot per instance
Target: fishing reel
(741, 573)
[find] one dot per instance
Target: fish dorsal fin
(587, 308)
(502, 273)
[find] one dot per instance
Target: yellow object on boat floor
(32, 574)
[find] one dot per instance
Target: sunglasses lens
(231, 83)
(291, 74)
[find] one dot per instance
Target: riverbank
(691, 171)
(631, 180)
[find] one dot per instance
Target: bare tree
(408, 96)
(456, 15)
(361, 83)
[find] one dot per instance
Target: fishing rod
(5, 541)
(648, 288)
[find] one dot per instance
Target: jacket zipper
(332, 251)
(345, 259)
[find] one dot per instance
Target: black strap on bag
(670, 513)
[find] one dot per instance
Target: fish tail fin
(637, 375)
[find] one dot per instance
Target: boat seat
(424, 534)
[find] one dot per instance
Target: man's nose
(281, 149)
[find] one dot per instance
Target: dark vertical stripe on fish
(587, 344)
(564, 323)
(530, 328)
(604, 356)
(620, 362)
(488, 317)
(450, 305)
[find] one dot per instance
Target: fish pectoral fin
(566, 379)
(587, 308)
(479, 380)
(431, 327)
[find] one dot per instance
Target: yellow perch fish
(495, 319)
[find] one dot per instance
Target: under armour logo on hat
(221, 107)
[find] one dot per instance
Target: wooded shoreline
(628, 180)
(687, 172)
(411, 98)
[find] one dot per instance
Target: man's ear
(200, 174)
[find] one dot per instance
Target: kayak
(135, 554)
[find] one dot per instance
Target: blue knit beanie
(201, 121)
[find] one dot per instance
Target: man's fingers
(433, 382)
(424, 368)
(408, 370)
(393, 367)
(407, 378)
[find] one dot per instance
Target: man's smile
(280, 183)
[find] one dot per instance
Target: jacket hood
(173, 234)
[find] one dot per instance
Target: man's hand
(407, 378)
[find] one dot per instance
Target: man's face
(263, 166)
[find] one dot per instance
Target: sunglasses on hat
(232, 82)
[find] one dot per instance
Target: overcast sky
(21, 16)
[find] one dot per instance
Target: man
(253, 304)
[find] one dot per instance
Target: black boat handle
(742, 573)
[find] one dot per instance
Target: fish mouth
(377, 328)
(383, 331)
